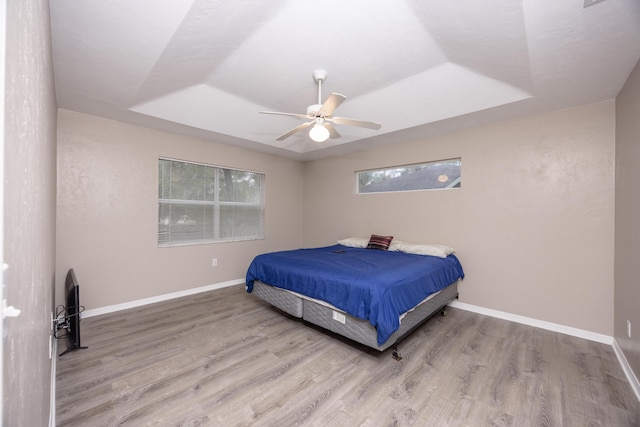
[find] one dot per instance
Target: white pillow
(395, 245)
(355, 242)
(441, 251)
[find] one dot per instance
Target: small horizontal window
(442, 174)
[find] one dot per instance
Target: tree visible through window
(202, 204)
(424, 176)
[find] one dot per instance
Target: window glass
(425, 176)
(203, 204)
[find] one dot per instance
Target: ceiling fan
(321, 117)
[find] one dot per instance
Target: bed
(371, 296)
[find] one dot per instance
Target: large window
(424, 176)
(204, 204)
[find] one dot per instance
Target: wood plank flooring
(223, 358)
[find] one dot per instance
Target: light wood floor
(223, 358)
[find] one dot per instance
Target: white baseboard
(52, 392)
(580, 333)
(631, 376)
(158, 298)
(592, 336)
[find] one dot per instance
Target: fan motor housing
(319, 75)
(312, 110)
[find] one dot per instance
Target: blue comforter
(369, 284)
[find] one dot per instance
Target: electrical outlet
(214, 262)
(57, 323)
(629, 328)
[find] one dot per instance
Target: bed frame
(335, 320)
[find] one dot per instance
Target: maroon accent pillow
(379, 242)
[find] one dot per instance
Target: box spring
(358, 330)
(286, 301)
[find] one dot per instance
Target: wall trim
(631, 376)
(158, 298)
(567, 330)
(52, 392)
(580, 333)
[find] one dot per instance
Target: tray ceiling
(205, 68)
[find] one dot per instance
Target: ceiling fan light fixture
(318, 132)
(320, 116)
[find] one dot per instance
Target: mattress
(368, 284)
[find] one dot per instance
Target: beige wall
(29, 212)
(108, 211)
(532, 223)
(627, 232)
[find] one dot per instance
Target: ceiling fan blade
(331, 103)
(294, 130)
(333, 133)
(300, 116)
(353, 122)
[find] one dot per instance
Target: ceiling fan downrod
(319, 76)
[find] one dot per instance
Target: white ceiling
(206, 67)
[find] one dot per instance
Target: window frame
(216, 204)
(454, 184)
